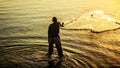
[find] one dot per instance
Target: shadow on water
(53, 64)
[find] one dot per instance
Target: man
(54, 38)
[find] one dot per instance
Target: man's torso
(53, 30)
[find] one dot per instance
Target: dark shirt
(53, 30)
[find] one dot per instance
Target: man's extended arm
(62, 25)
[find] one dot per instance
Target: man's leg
(58, 46)
(50, 49)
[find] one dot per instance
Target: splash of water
(95, 20)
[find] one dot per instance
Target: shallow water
(88, 42)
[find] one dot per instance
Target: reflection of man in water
(53, 37)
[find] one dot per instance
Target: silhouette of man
(54, 38)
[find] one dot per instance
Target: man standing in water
(54, 38)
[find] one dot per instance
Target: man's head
(54, 19)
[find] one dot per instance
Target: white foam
(95, 20)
